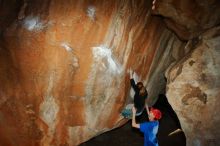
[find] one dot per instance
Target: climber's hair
(143, 91)
(140, 85)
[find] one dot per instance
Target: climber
(150, 128)
(140, 97)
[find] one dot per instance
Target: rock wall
(193, 82)
(8, 12)
(63, 67)
(193, 89)
(187, 18)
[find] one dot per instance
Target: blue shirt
(150, 130)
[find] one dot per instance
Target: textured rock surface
(63, 67)
(170, 51)
(189, 18)
(194, 90)
(8, 12)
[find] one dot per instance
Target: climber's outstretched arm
(134, 124)
(147, 108)
(133, 85)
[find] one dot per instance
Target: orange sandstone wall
(63, 67)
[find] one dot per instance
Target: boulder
(193, 90)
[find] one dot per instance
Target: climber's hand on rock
(131, 73)
(153, 4)
(133, 110)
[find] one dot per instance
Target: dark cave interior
(128, 136)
